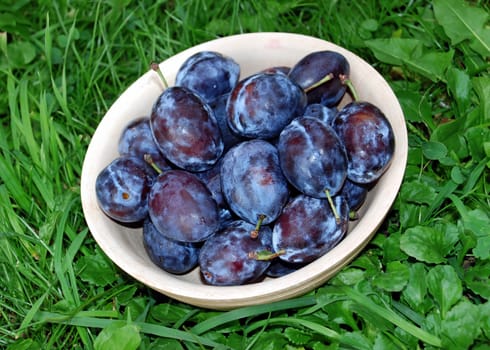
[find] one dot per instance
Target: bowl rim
(269, 290)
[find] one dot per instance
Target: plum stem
(255, 233)
(265, 255)
(346, 81)
(147, 157)
(332, 206)
(326, 78)
(156, 67)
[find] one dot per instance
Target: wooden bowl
(254, 52)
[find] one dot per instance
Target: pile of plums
(247, 177)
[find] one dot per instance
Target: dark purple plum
(368, 139)
(314, 68)
(229, 257)
(229, 138)
(185, 129)
(137, 140)
(122, 189)
(210, 74)
(307, 228)
(182, 208)
(212, 179)
(312, 157)
(279, 268)
(325, 114)
(354, 193)
(261, 105)
(172, 256)
(252, 181)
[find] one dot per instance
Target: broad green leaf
(460, 328)
(476, 137)
(383, 342)
(445, 286)
(434, 150)
(270, 341)
(394, 279)
(167, 313)
(96, 269)
(429, 244)
(357, 340)
(395, 51)
(417, 192)
(297, 336)
(485, 320)
(411, 54)
(165, 344)
(21, 53)
(118, 336)
(416, 107)
(463, 22)
(432, 65)
(476, 221)
(459, 84)
(391, 248)
(482, 88)
(451, 135)
(477, 278)
(415, 293)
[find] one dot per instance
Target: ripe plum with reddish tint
(227, 258)
(261, 105)
(172, 256)
(185, 129)
(210, 74)
(252, 181)
(137, 140)
(122, 189)
(312, 157)
(313, 68)
(368, 138)
(307, 228)
(182, 208)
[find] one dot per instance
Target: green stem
(346, 81)
(326, 78)
(156, 68)
(147, 157)
(255, 233)
(332, 206)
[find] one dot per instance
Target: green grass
(423, 282)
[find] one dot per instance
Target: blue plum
(312, 157)
(185, 129)
(228, 257)
(368, 139)
(182, 208)
(307, 228)
(137, 140)
(122, 189)
(311, 71)
(261, 105)
(210, 74)
(252, 181)
(172, 256)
